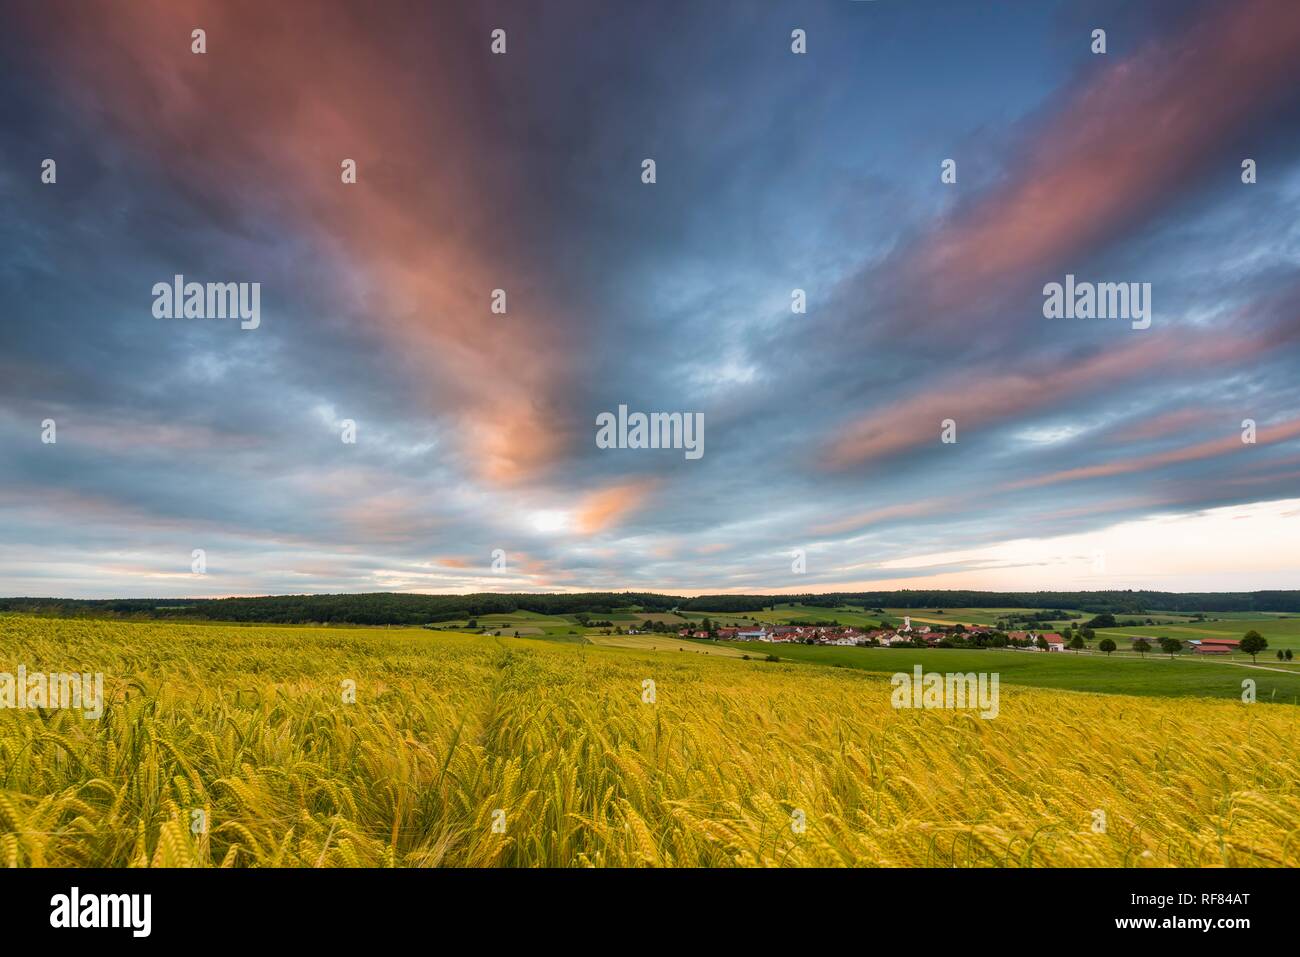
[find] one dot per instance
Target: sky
(194, 457)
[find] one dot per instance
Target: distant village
(937, 636)
(907, 634)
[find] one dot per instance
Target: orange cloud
(606, 508)
(713, 548)
(931, 506)
(392, 516)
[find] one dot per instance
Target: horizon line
(658, 594)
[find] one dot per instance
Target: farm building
(1054, 641)
(1215, 646)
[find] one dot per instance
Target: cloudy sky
(1088, 454)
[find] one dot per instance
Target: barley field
(237, 747)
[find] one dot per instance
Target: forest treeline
(388, 608)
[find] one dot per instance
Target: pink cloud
(1161, 426)
(1229, 444)
(1115, 148)
(410, 243)
(981, 399)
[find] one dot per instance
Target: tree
(1041, 642)
(1089, 634)
(1101, 621)
(1107, 646)
(1253, 643)
(1141, 646)
(1170, 646)
(1076, 643)
(1288, 654)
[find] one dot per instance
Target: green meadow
(1155, 675)
(524, 624)
(1280, 632)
